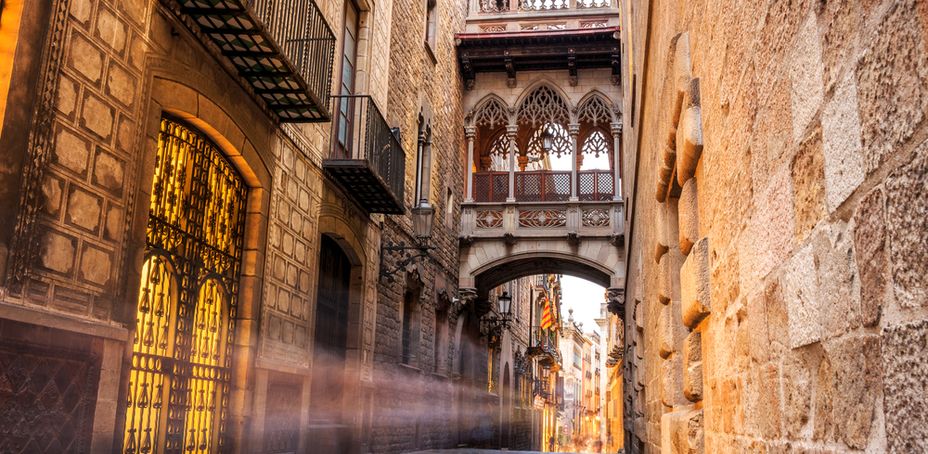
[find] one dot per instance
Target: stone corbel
(468, 295)
(615, 301)
(616, 66)
(572, 67)
(467, 70)
(510, 70)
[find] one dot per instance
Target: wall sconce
(492, 325)
(422, 216)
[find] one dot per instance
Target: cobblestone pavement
(472, 451)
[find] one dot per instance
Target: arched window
(179, 380)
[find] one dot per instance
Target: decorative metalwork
(542, 218)
(489, 219)
(595, 110)
(595, 217)
(182, 349)
(543, 105)
(367, 158)
(283, 50)
(491, 112)
(596, 144)
(47, 399)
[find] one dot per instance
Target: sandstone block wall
(414, 406)
(787, 144)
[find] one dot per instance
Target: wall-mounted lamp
(492, 325)
(422, 216)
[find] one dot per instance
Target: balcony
(544, 347)
(282, 51)
(526, 35)
(366, 158)
(543, 186)
(490, 16)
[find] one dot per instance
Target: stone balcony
(495, 16)
(515, 221)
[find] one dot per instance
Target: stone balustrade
(570, 220)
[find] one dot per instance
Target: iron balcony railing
(283, 49)
(360, 133)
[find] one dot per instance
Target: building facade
(201, 200)
(775, 281)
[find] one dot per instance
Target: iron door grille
(178, 399)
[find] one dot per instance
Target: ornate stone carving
(542, 218)
(543, 105)
(596, 217)
(24, 245)
(489, 219)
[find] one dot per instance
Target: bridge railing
(573, 220)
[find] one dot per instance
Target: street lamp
(422, 216)
(492, 325)
(505, 305)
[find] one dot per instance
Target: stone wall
(776, 285)
(106, 72)
(414, 404)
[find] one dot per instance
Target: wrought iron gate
(180, 376)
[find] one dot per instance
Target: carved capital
(573, 129)
(512, 130)
(616, 128)
(470, 132)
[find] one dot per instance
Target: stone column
(574, 130)
(512, 131)
(469, 133)
(617, 158)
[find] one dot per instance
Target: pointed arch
(596, 108)
(491, 111)
(543, 102)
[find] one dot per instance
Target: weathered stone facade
(776, 167)
(76, 181)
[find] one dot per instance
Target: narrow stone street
(407, 226)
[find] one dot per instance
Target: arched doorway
(180, 375)
(328, 426)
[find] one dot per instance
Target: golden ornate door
(179, 379)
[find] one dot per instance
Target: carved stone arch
(596, 108)
(543, 102)
(491, 111)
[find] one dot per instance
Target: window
(449, 208)
(578, 354)
(423, 162)
(187, 298)
(410, 327)
(441, 339)
(431, 23)
(345, 114)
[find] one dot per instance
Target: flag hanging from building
(547, 315)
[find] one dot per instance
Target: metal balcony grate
(367, 159)
(283, 50)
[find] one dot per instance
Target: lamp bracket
(406, 255)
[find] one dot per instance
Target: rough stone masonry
(778, 240)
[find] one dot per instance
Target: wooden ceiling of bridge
(511, 52)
